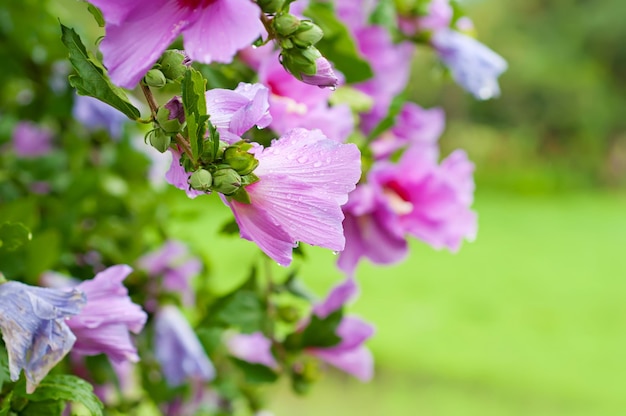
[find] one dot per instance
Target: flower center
(397, 197)
(195, 4)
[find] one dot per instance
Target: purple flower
(416, 197)
(414, 127)
(30, 140)
(438, 17)
(350, 355)
(324, 76)
(233, 112)
(95, 115)
(175, 265)
(34, 329)
(304, 180)
(474, 66)
(137, 32)
(296, 104)
(103, 325)
(178, 350)
(254, 348)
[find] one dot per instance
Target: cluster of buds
(299, 56)
(169, 68)
(229, 173)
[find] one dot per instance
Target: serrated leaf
(13, 235)
(64, 387)
(337, 43)
(194, 101)
(322, 333)
(91, 78)
(48, 408)
(255, 373)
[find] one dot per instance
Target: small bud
(201, 180)
(270, 6)
(285, 24)
(288, 313)
(324, 75)
(169, 124)
(240, 160)
(300, 61)
(174, 63)
(154, 78)
(226, 181)
(159, 140)
(308, 34)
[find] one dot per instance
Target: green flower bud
(285, 24)
(308, 34)
(288, 313)
(270, 6)
(226, 181)
(159, 140)
(174, 63)
(300, 61)
(201, 180)
(170, 126)
(240, 160)
(154, 78)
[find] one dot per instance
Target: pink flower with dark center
(137, 32)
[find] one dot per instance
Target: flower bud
(300, 61)
(270, 6)
(226, 181)
(285, 24)
(201, 180)
(288, 313)
(240, 160)
(324, 75)
(167, 122)
(154, 78)
(159, 140)
(308, 34)
(174, 63)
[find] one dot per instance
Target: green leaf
(385, 14)
(13, 235)
(385, 124)
(337, 43)
(229, 228)
(4, 367)
(47, 407)
(91, 78)
(322, 333)
(255, 373)
(97, 14)
(5, 405)
(63, 387)
(242, 309)
(194, 101)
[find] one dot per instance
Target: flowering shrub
(292, 114)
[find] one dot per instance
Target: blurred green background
(531, 318)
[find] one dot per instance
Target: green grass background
(530, 319)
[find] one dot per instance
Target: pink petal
(359, 362)
(223, 28)
(337, 297)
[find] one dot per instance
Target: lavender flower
(95, 115)
(474, 66)
(104, 323)
(30, 140)
(178, 350)
(32, 320)
(137, 32)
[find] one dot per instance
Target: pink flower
(254, 348)
(350, 355)
(137, 32)
(304, 180)
(416, 197)
(103, 325)
(30, 140)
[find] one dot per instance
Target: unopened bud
(308, 34)
(201, 180)
(288, 313)
(174, 63)
(159, 140)
(270, 6)
(285, 24)
(226, 181)
(240, 160)
(300, 61)
(168, 122)
(154, 78)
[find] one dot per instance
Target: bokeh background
(530, 319)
